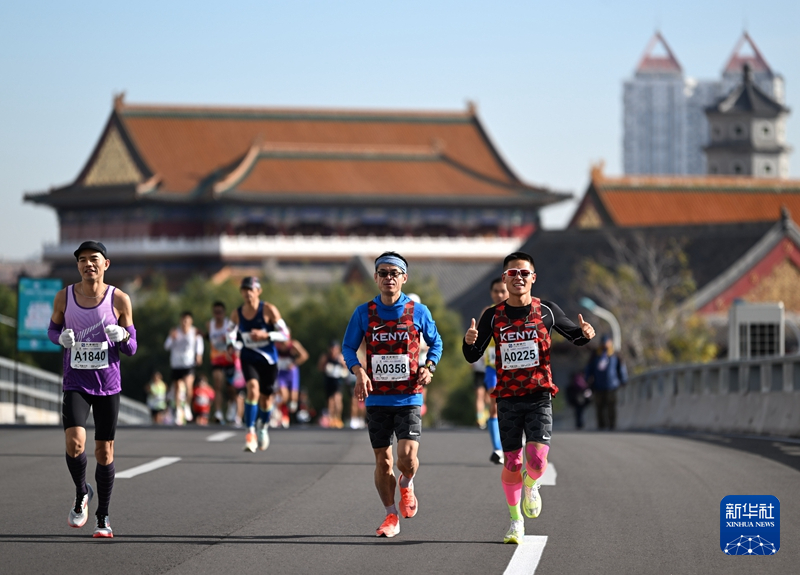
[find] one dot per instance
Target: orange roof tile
(677, 200)
(411, 171)
(184, 145)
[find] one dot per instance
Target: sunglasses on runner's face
(524, 274)
(391, 274)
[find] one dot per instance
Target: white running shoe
(531, 500)
(263, 436)
(80, 512)
(497, 457)
(187, 412)
(102, 528)
(231, 412)
(515, 533)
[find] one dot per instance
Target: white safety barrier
(743, 396)
(39, 397)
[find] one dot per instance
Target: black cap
(250, 282)
(94, 246)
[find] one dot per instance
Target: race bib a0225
(520, 354)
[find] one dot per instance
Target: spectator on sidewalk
(605, 373)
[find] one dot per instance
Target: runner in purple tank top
(93, 321)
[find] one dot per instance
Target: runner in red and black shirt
(521, 328)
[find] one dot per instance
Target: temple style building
(650, 201)
(181, 190)
(748, 133)
(665, 125)
(739, 233)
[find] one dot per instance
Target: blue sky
(546, 76)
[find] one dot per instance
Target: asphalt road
(623, 503)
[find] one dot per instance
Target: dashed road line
(526, 557)
(152, 466)
(549, 475)
(221, 436)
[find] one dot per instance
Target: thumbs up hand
(586, 327)
(472, 333)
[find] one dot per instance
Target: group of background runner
(190, 396)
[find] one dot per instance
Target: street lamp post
(603, 313)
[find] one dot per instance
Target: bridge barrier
(39, 397)
(759, 396)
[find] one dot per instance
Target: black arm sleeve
(473, 353)
(565, 326)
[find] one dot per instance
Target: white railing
(39, 396)
(753, 396)
(299, 246)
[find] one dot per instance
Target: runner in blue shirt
(392, 381)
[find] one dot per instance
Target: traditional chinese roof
(632, 201)
(768, 271)
(182, 153)
(747, 98)
(652, 63)
(717, 255)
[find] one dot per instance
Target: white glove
(116, 333)
(67, 338)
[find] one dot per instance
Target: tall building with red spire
(666, 130)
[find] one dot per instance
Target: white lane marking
(549, 475)
(153, 465)
(221, 436)
(527, 556)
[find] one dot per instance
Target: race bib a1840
(520, 354)
(391, 367)
(89, 355)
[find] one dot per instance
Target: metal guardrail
(41, 389)
(763, 375)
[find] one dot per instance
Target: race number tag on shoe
(89, 355)
(520, 354)
(391, 367)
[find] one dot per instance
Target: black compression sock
(104, 475)
(77, 469)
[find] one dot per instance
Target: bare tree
(642, 281)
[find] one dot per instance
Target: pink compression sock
(512, 476)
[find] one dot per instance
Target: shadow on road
(217, 539)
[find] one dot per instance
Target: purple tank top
(89, 324)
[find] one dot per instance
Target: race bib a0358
(391, 367)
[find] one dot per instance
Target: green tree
(450, 393)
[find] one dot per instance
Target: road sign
(34, 309)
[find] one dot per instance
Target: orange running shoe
(251, 442)
(390, 526)
(408, 501)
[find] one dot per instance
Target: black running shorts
(105, 409)
(478, 379)
(179, 373)
(384, 421)
(265, 373)
(529, 414)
